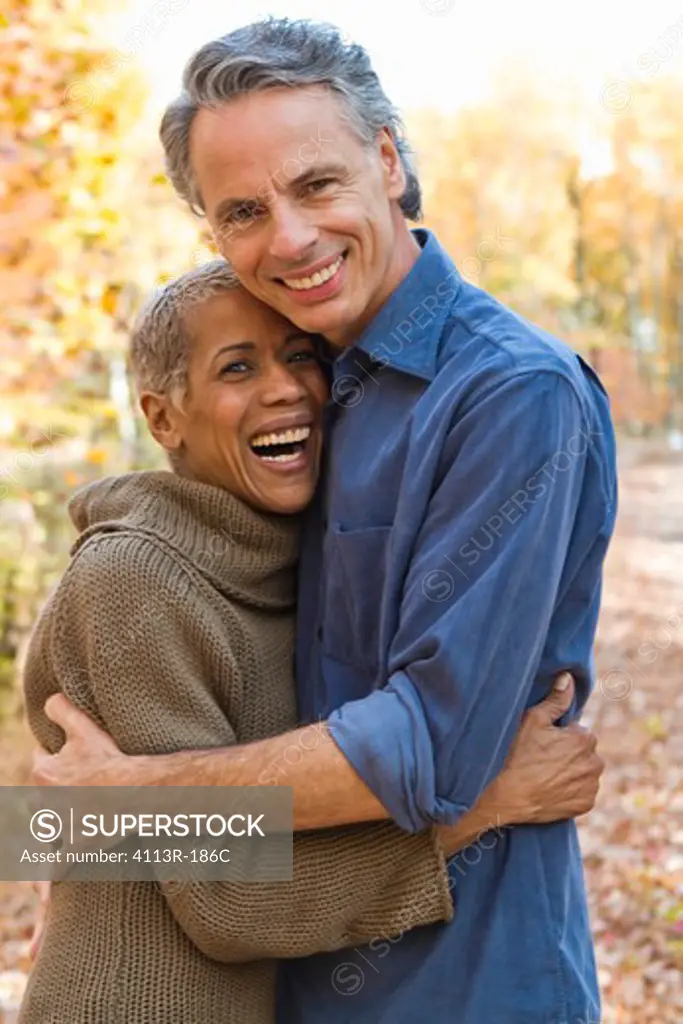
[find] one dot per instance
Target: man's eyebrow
(318, 170)
(228, 206)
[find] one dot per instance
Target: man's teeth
(284, 437)
(300, 284)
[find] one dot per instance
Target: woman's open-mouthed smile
(251, 418)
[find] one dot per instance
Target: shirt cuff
(386, 739)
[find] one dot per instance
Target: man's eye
(318, 184)
(245, 213)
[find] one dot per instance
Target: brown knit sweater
(173, 628)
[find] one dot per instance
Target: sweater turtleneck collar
(246, 554)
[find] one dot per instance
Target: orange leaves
(110, 299)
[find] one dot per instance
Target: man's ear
(163, 419)
(392, 165)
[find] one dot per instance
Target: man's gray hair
(160, 341)
(281, 52)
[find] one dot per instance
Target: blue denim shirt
(451, 565)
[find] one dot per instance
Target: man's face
(307, 214)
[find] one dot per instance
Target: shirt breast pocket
(356, 567)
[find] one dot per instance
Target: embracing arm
(144, 668)
(451, 706)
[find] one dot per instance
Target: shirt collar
(405, 333)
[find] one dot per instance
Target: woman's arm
(133, 641)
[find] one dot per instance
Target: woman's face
(251, 421)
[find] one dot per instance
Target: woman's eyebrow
(240, 346)
(250, 346)
(297, 336)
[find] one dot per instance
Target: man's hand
(42, 890)
(88, 758)
(551, 773)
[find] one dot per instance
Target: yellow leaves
(655, 727)
(158, 179)
(96, 456)
(109, 216)
(674, 915)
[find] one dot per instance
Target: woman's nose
(281, 386)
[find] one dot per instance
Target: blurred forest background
(569, 211)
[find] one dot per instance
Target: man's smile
(320, 281)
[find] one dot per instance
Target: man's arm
(136, 652)
(551, 773)
(425, 746)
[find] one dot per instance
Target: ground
(633, 840)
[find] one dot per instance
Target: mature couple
(348, 422)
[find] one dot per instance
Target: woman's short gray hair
(281, 52)
(160, 341)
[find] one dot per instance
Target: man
(452, 561)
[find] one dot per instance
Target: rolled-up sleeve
(486, 573)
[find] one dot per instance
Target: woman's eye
(237, 366)
(304, 355)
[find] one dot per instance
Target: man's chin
(331, 318)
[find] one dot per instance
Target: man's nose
(292, 232)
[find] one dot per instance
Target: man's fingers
(43, 891)
(559, 701)
(62, 712)
(78, 725)
(589, 740)
(75, 723)
(42, 769)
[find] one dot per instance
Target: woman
(173, 628)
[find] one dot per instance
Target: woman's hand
(551, 773)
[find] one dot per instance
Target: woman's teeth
(315, 280)
(283, 437)
(266, 445)
(281, 458)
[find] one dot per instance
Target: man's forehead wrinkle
(265, 191)
(267, 128)
(250, 153)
